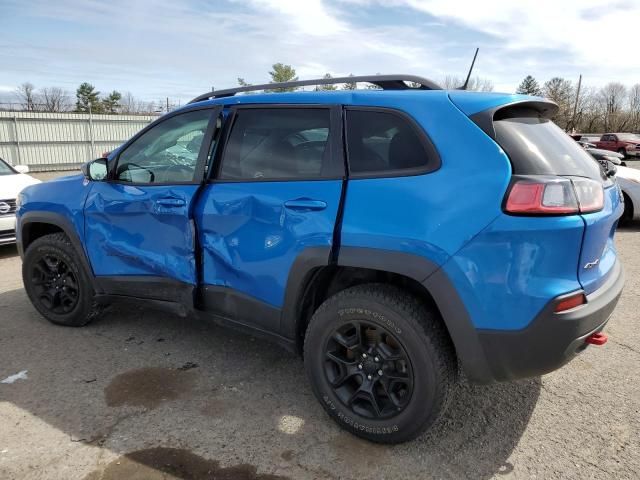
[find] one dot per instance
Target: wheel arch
(307, 289)
(33, 225)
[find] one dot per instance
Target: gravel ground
(143, 394)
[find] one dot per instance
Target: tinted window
(5, 169)
(167, 152)
(537, 146)
(380, 141)
(279, 143)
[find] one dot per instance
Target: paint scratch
(18, 376)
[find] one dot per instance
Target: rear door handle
(305, 204)
(171, 202)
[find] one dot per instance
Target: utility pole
(575, 105)
(167, 104)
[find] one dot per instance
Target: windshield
(629, 136)
(5, 169)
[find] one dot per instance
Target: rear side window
(379, 142)
(278, 144)
(537, 146)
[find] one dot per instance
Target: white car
(629, 181)
(12, 181)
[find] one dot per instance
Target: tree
(111, 103)
(55, 99)
(612, 98)
(327, 87)
(283, 73)
(479, 84)
(27, 96)
(350, 85)
(242, 83)
(529, 86)
(561, 91)
(87, 98)
(634, 107)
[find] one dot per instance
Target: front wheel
(57, 283)
(380, 362)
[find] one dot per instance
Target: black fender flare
(64, 224)
(435, 281)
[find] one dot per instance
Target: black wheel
(627, 215)
(56, 282)
(379, 362)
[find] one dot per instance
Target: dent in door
(142, 225)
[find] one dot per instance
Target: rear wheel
(627, 215)
(379, 362)
(56, 282)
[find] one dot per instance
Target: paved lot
(143, 394)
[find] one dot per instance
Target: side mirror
(22, 168)
(95, 170)
(611, 169)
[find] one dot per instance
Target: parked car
(629, 181)
(607, 155)
(626, 144)
(380, 233)
(12, 180)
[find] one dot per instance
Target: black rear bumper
(552, 339)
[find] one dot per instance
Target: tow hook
(597, 338)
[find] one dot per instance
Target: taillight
(548, 195)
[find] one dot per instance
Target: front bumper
(7, 229)
(552, 339)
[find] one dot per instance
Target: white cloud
(162, 47)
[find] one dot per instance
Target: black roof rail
(386, 82)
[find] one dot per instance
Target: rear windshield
(537, 146)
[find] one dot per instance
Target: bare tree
(478, 84)
(561, 91)
(612, 97)
(634, 107)
(55, 99)
(26, 94)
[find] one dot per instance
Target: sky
(180, 49)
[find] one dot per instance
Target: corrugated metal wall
(59, 141)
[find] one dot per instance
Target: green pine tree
(111, 103)
(87, 96)
(327, 86)
(529, 86)
(283, 73)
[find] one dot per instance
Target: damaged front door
(138, 223)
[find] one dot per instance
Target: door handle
(171, 202)
(305, 204)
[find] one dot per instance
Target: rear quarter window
(385, 143)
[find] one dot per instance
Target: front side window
(383, 141)
(278, 143)
(167, 153)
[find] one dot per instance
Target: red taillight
(554, 196)
(570, 302)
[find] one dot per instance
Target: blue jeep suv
(394, 236)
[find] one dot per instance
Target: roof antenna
(466, 82)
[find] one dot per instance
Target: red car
(627, 144)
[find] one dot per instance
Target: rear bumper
(552, 339)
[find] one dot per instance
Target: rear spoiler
(524, 108)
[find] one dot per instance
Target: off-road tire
(86, 308)
(418, 330)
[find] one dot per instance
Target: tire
(57, 283)
(420, 384)
(627, 215)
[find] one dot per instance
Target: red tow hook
(598, 338)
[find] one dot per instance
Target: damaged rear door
(139, 228)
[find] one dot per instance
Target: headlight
(19, 200)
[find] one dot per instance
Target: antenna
(473, 62)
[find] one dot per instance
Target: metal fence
(62, 141)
